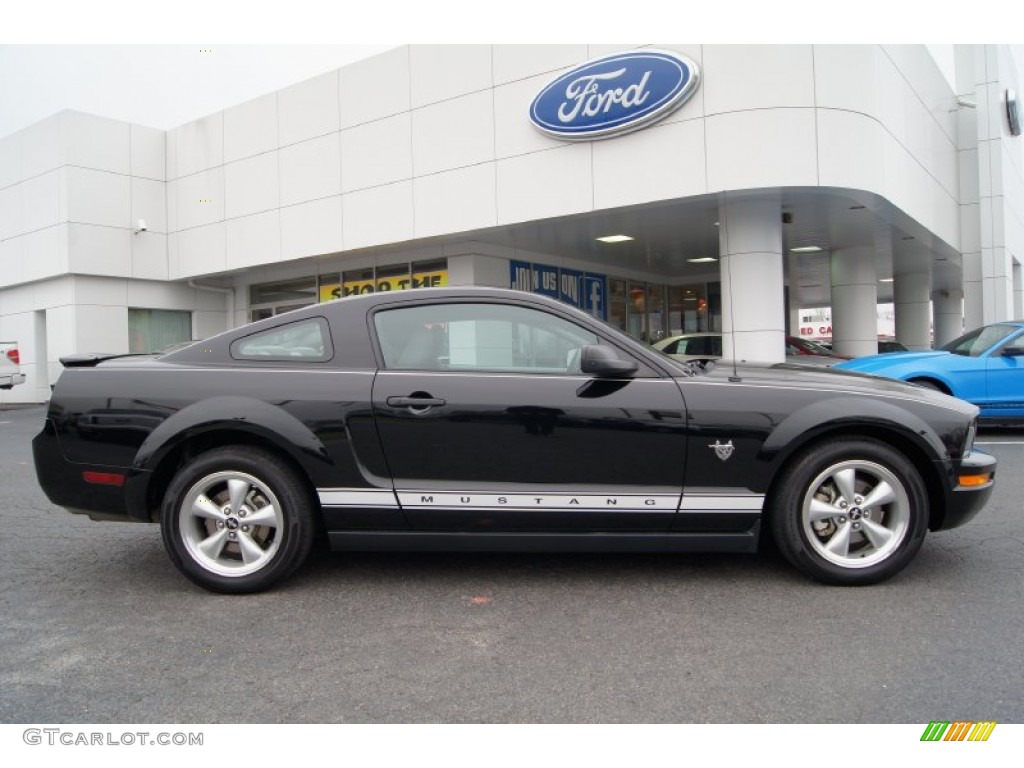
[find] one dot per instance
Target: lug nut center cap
(232, 524)
(855, 513)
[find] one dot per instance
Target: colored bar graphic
(959, 730)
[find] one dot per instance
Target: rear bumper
(966, 500)
(11, 379)
(65, 485)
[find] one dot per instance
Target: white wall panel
(516, 62)
(251, 185)
(455, 201)
(91, 141)
(514, 134)
(45, 253)
(155, 295)
(149, 256)
(149, 202)
(308, 109)
(100, 291)
(378, 215)
(12, 211)
(171, 154)
(41, 201)
(376, 153)
(557, 182)
(440, 72)
(739, 77)
(850, 150)
(40, 147)
(148, 152)
(250, 128)
(12, 266)
(200, 198)
(10, 160)
(200, 145)
(311, 228)
(253, 240)
(97, 250)
(198, 251)
(97, 197)
(99, 328)
(453, 134)
(311, 170)
(660, 163)
(375, 88)
(761, 148)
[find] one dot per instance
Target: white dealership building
(784, 177)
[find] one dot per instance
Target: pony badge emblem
(723, 452)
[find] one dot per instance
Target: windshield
(979, 341)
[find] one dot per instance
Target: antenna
(732, 321)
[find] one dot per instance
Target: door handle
(414, 402)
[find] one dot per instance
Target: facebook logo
(595, 289)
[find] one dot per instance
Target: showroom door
(488, 424)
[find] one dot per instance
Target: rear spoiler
(89, 359)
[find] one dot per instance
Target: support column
(753, 304)
(1018, 291)
(948, 309)
(911, 296)
(854, 302)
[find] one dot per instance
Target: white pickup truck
(10, 365)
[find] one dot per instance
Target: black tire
(237, 520)
(826, 522)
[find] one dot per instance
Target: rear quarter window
(306, 341)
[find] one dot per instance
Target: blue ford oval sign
(614, 94)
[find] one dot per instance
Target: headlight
(972, 432)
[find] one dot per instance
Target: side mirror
(600, 361)
(1013, 352)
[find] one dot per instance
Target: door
(1004, 366)
(488, 424)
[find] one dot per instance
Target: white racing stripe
(447, 500)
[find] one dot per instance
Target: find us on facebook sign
(614, 95)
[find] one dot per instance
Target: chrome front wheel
(856, 513)
(849, 511)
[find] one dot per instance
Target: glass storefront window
(655, 305)
(150, 330)
(617, 303)
(269, 299)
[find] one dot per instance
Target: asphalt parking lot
(97, 626)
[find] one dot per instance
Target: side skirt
(433, 541)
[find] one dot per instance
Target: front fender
(819, 418)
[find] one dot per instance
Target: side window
(672, 348)
(489, 337)
(302, 341)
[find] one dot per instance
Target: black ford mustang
(484, 419)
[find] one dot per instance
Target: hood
(840, 381)
(873, 363)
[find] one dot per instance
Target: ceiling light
(702, 260)
(614, 239)
(885, 279)
(806, 249)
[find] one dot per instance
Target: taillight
(13, 356)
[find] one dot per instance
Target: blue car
(984, 367)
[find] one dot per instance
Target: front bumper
(974, 482)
